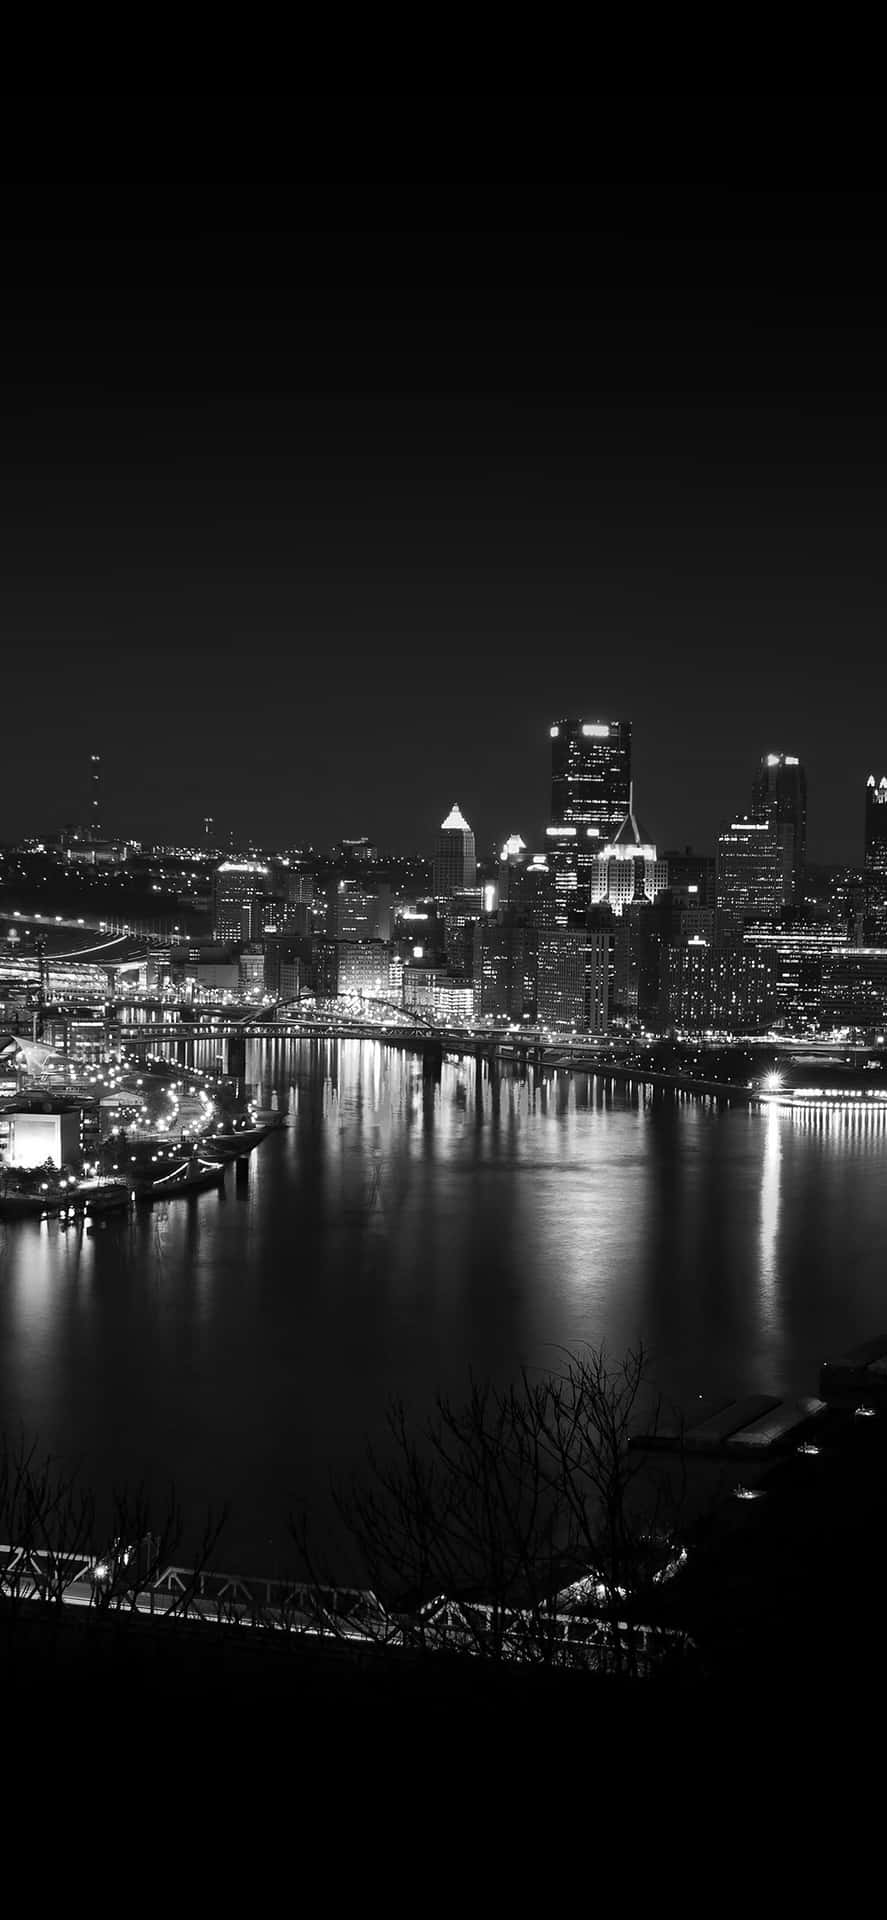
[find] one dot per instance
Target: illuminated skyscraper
(876, 825)
(513, 857)
(876, 857)
(455, 860)
(627, 870)
(780, 795)
(749, 873)
(590, 774)
(590, 797)
(573, 975)
(239, 888)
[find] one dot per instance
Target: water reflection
(402, 1227)
(771, 1186)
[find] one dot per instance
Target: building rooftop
(455, 821)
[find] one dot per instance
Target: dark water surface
(397, 1233)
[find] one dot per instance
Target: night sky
(321, 499)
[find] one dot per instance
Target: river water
(400, 1231)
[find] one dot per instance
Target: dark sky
(319, 499)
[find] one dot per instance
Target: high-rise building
(779, 794)
(364, 967)
(358, 912)
(590, 775)
(513, 857)
(95, 796)
(693, 874)
(505, 967)
(535, 891)
(726, 989)
(455, 859)
(627, 870)
(239, 888)
(876, 859)
(562, 853)
(461, 913)
(642, 935)
(876, 825)
(854, 990)
(749, 867)
(573, 976)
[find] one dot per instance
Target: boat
(235, 1142)
(191, 1175)
(103, 1196)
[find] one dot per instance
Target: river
(401, 1231)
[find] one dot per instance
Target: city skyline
(208, 833)
(325, 495)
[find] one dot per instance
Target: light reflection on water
(399, 1231)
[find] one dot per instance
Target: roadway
(115, 929)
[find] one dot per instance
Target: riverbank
(658, 1077)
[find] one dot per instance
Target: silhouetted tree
(519, 1525)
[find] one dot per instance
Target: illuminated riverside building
(799, 956)
(876, 857)
(239, 889)
(573, 976)
(505, 968)
(455, 857)
(642, 935)
(779, 795)
(726, 989)
(854, 990)
(434, 990)
(364, 966)
(749, 867)
(251, 971)
(590, 774)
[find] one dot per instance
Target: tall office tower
(513, 857)
(95, 796)
(693, 874)
(455, 861)
(590, 775)
(505, 967)
(642, 935)
(749, 869)
(627, 869)
(562, 854)
(573, 976)
(876, 859)
(779, 794)
(239, 887)
(357, 912)
(461, 913)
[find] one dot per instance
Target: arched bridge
(409, 1018)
